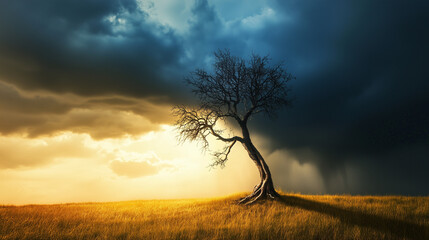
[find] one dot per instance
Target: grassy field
(294, 217)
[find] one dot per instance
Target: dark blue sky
(361, 68)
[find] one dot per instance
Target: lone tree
(235, 92)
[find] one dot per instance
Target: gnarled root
(263, 190)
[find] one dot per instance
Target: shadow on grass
(400, 228)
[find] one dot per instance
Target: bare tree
(235, 91)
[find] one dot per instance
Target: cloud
(34, 115)
(135, 165)
(17, 152)
(360, 90)
(86, 48)
(170, 13)
(291, 175)
(11, 100)
(258, 21)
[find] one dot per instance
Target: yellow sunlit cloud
(74, 168)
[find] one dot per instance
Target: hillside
(295, 217)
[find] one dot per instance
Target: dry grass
(294, 217)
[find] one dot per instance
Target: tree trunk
(265, 189)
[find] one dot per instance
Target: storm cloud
(361, 93)
(360, 116)
(85, 47)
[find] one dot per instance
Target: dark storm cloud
(361, 93)
(105, 53)
(85, 47)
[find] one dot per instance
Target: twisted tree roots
(264, 190)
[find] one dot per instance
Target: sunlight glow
(72, 167)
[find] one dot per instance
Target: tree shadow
(400, 228)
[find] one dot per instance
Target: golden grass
(294, 217)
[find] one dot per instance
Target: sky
(87, 87)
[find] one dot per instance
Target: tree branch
(195, 124)
(221, 157)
